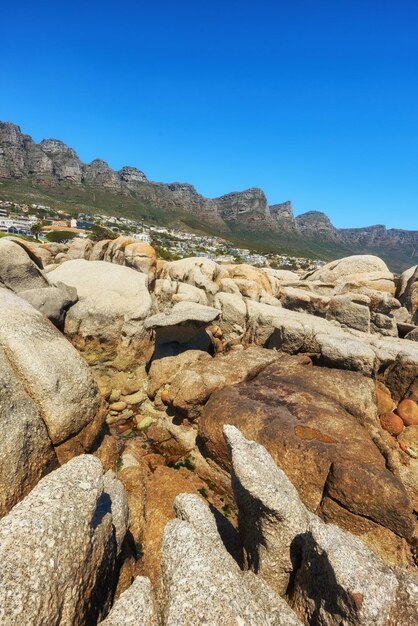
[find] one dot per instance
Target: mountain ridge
(54, 169)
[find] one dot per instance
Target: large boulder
(181, 328)
(141, 257)
(234, 314)
(319, 425)
(36, 251)
(53, 302)
(20, 271)
(26, 452)
(161, 488)
(17, 270)
(59, 548)
(52, 373)
(293, 332)
(115, 251)
(196, 271)
(251, 281)
(358, 271)
(107, 323)
(79, 249)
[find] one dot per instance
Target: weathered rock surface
(270, 520)
(318, 424)
(17, 271)
(58, 549)
(192, 377)
(108, 320)
(201, 581)
(162, 487)
(26, 452)
(52, 373)
(181, 313)
(53, 302)
(20, 272)
(408, 292)
(135, 606)
(334, 579)
(361, 271)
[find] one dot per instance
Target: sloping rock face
(39, 422)
(321, 428)
(202, 583)
(329, 576)
(45, 362)
(59, 548)
(26, 450)
(189, 382)
(135, 606)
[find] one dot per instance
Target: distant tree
(58, 236)
(98, 233)
(36, 229)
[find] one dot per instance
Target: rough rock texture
(362, 270)
(162, 487)
(58, 549)
(183, 312)
(191, 378)
(53, 302)
(408, 292)
(141, 257)
(200, 272)
(135, 606)
(20, 271)
(270, 518)
(17, 271)
(108, 320)
(45, 362)
(334, 579)
(201, 583)
(319, 425)
(26, 452)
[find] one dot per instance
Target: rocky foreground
(190, 443)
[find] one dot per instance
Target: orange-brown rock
(194, 375)
(408, 412)
(384, 401)
(392, 423)
(85, 440)
(162, 487)
(374, 493)
(316, 422)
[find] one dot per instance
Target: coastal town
(48, 224)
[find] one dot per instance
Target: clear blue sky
(314, 101)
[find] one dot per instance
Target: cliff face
(52, 164)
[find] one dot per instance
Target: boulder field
(189, 442)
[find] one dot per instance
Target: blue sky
(316, 102)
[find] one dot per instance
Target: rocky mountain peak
(283, 214)
(130, 174)
(55, 147)
(251, 201)
(51, 163)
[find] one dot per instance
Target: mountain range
(51, 172)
